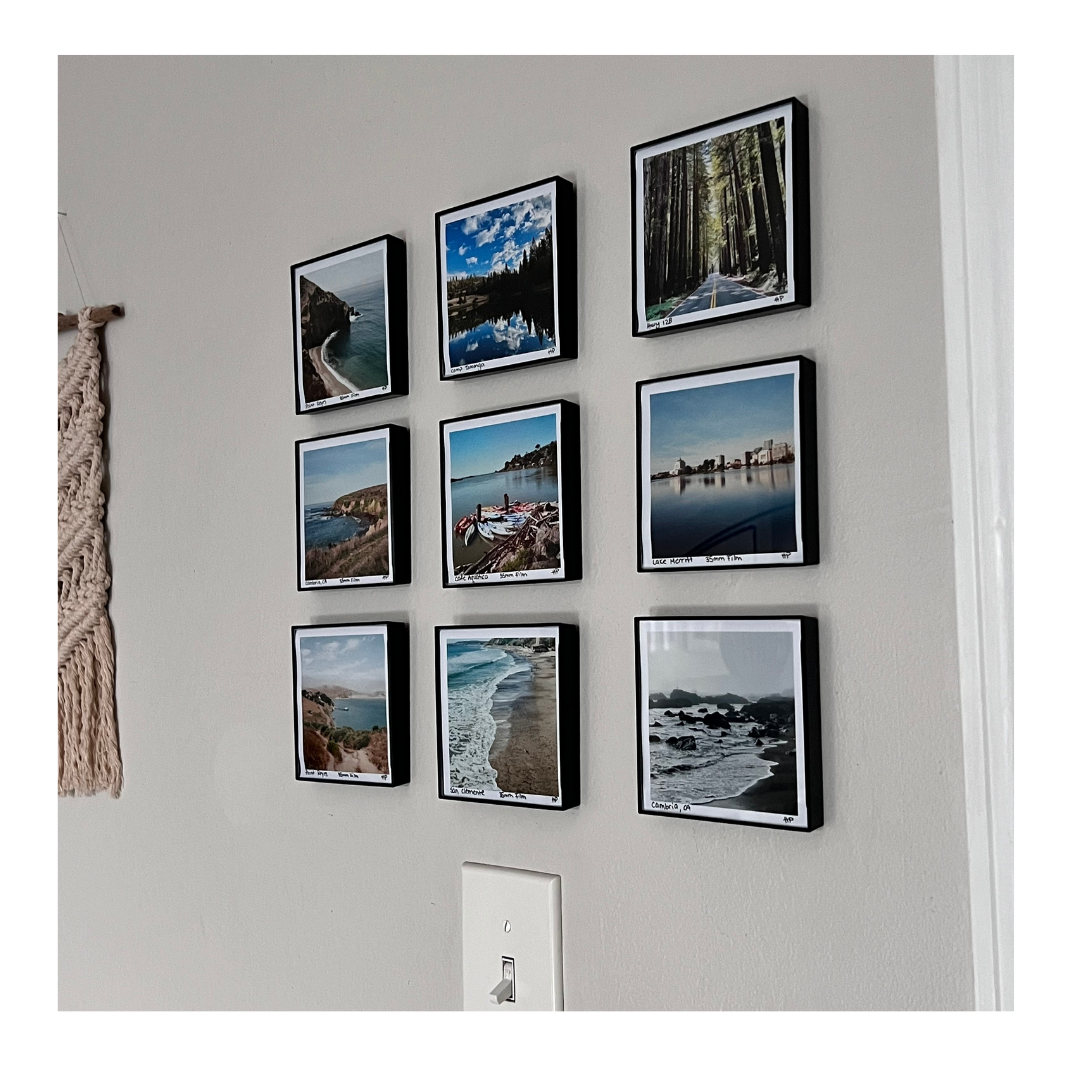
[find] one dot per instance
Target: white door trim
(975, 165)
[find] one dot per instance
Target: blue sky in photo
(481, 450)
(345, 276)
(354, 661)
(728, 418)
(751, 665)
(495, 240)
(333, 471)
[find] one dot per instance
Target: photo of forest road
(500, 283)
(343, 328)
(722, 720)
(715, 222)
(504, 498)
(502, 715)
(343, 691)
(346, 511)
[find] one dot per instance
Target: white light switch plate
(511, 913)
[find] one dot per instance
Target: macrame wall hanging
(89, 747)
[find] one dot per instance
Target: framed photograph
(729, 724)
(721, 220)
(507, 706)
(727, 468)
(352, 509)
(350, 325)
(511, 488)
(351, 703)
(507, 275)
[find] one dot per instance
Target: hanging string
(63, 236)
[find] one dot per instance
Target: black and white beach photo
(508, 714)
(727, 468)
(511, 504)
(352, 509)
(507, 279)
(350, 325)
(351, 703)
(728, 725)
(721, 220)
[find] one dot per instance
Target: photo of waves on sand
(721, 720)
(502, 715)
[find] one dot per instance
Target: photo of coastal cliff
(721, 731)
(342, 699)
(720, 468)
(499, 281)
(499, 735)
(344, 513)
(502, 496)
(341, 322)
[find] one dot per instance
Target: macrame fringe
(89, 747)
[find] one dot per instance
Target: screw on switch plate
(505, 990)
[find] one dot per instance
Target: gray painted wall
(217, 881)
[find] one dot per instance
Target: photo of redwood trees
(715, 226)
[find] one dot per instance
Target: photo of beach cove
(501, 716)
(721, 729)
(343, 703)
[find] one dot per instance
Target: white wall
(217, 881)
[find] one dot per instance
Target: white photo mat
(307, 634)
(716, 378)
(346, 440)
(488, 633)
(740, 626)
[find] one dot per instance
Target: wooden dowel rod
(98, 314)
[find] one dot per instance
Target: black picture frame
(564, 339)
(701, 552)
(568, 449)
(772, 790)
(741, 252)
(568, 714)
(396, 319)
(396, 678)
(398, 520)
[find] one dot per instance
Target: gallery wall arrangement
(727, 713)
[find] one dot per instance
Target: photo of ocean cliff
(500, 719)
(342, 323)
(721, 724)
(503, 497)
(345, 509)
(343, 703)
(500, 282)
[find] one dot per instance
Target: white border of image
(321, 264)
(473, 210)
(781, 300)
(490, 420)
(355, 630)
(741, 626)
(486, 633)
(322, 444)
(666, 386)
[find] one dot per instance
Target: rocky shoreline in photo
(366, 555)
(330, 748)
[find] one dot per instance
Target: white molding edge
(975, 169)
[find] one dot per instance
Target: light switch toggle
(505, 990)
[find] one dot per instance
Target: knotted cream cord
(89, 748)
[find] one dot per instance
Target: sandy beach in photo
(525, 750)
(774, 794)
(334, 383)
